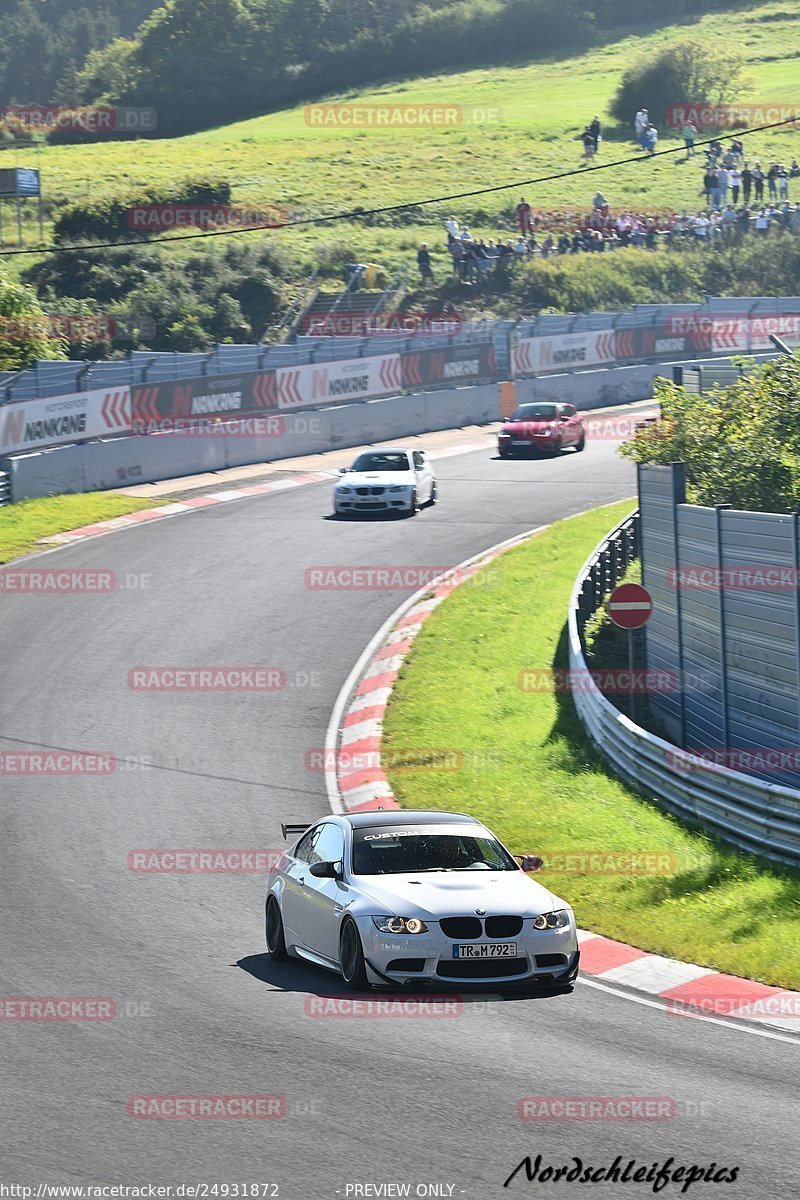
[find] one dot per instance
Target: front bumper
(388, 502)
(546, 956)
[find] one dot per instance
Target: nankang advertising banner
(338, 381)
(156, 405)
(563, 352)
(454, 365)
(56, 420)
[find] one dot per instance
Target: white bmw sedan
(390, 480)
(395, 898)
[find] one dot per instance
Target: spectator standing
(723, 180)
(587, 140)
(743, 221)
(761, 223)
(547, 246)
(651, 139)
(689, 133)
(595, 129)
(735, 181)
(639, 125)
(700, 227)
(747, 183)
(772, 181)
(456, 249)
(520, 246)
(758, 183)
(783, 182)
(451, 225)
(794, 169)
(524, 214)
(710, 185)
(424, 262)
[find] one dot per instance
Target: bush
(684, 71)
(106, 219)
(741, 444)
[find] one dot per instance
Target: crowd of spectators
(733, 188)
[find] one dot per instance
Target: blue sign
(19, 181)
(28, 182)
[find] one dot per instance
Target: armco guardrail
(529, 346)
(5, 489)
(760, 817)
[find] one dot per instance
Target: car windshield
(413, 851)
(535, 412)
(381, 462)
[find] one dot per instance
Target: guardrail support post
(723, 649)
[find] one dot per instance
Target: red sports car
(541, 429)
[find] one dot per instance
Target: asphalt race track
(200, 1010)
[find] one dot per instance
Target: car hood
(526, 428)
(376, 478)
(459, 893)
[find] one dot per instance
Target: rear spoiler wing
(294, 830)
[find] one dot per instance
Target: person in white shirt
(734, 183)
(521, 246)
(639, 125)
(451, 225)
(761, 222)
(700, 226)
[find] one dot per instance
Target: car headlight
(400, 487)
(400, 925)
(552, 920)
(504, 433)
(343, 489)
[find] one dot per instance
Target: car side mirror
(342, 470)
(527, 862)
(326, 870)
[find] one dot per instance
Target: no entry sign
(630, 606)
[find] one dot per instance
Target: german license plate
(486, 950)
(519, 442)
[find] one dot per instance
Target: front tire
(434, 495)
(276, 942)
(351, 958)
(413, 508)
(580, 445)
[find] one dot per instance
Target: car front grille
(467, 928)
(503, 927)
(369, 491)
(480, 968)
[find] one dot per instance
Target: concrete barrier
(97, 466)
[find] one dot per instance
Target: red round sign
(630, 605)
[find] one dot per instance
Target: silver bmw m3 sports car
(396, 898)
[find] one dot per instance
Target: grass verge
(530, 772)
(22, 524)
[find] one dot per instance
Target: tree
(25, 332)
(741, 444)
(682, 72)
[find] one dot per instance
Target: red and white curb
(179, 507)
(355, 732)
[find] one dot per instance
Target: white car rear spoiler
(293, 830)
